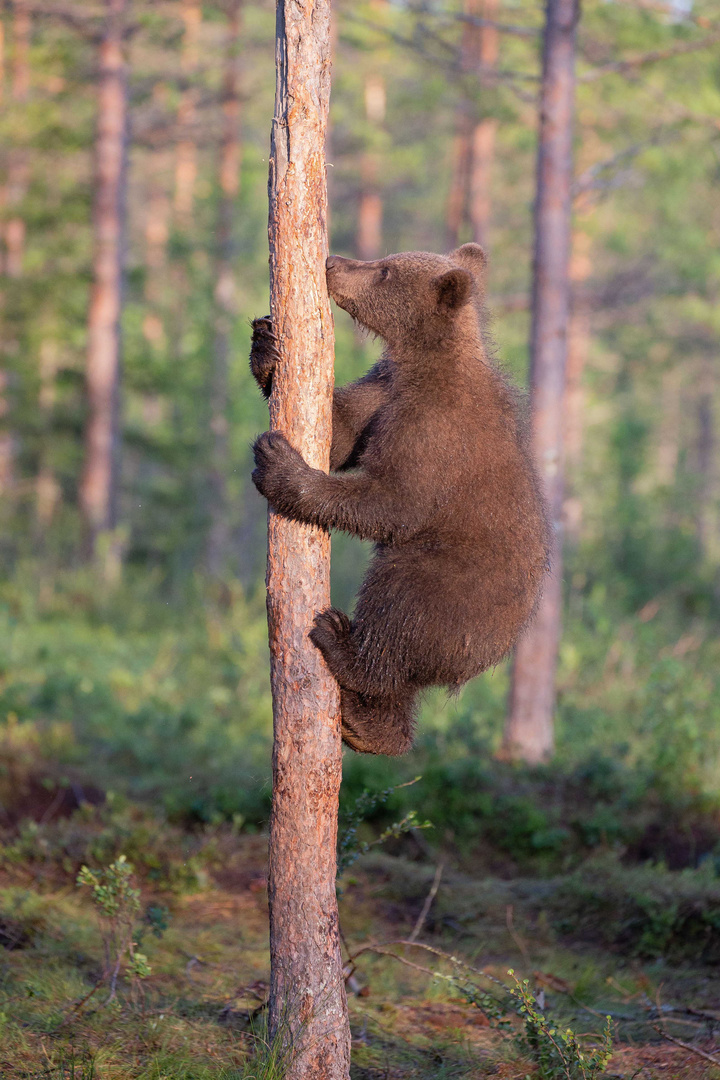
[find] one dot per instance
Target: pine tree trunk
(157, 224)
(483, 138)
(457, 197)
(229, 172)
(98, 490)
(47, 489)
(13, 230)
(308, 1008)
(578, 344)
(529, 731)
(370, 210)
(186, 159)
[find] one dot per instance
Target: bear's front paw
(278, 471)
(263, 353)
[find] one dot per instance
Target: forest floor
(199, 1013)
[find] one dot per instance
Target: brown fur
(428, 460)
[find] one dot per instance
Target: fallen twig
(428, 902)
(384, 949)
(687, 1046)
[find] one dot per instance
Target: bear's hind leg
(377, 725)
(331, 635)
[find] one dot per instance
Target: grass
(137, 723)
(191, 1017)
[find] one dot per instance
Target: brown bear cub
(429, 460)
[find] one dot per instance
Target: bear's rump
(430, 616)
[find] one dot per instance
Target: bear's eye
(384, 273)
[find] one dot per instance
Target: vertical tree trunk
(186, 160)
(370, 210)
(308, 1008)
(98, 490)
(229, 173)
(529, 728)
(457, 196)
(578, 344)
(462, 143)
(13, 248)
(483, 138)
(157, 224)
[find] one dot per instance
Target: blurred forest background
(133, 640)
(135, 713)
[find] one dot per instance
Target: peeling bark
(308, 1008)
(529, 728)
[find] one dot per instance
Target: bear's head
(411, 295)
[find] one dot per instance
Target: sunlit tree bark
(98, 491)
(225, 308)
(529, 727)
(308, 1009)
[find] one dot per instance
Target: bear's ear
(472, 258)
(453, 289)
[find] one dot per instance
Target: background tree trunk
(186, 159)
(98, 491)
(229, 175)
(13, 248)
(370, 210)
(308, 1008)
(483, 137)
(529, 727)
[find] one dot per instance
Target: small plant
(118, 902)
(558, 1053)
(350, 848)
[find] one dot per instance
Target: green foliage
(118, 900)
(648, 911)
(350, 847)
(556, 1052)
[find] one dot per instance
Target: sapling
(118, 902)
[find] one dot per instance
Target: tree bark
(483, 138)
(12, 255)
(229, 175)
(370, 210)
(578, 345)
(186, 159)
(47, 489)
(529, 731)
(98, 490)
(308, 1008)
(157, 224)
